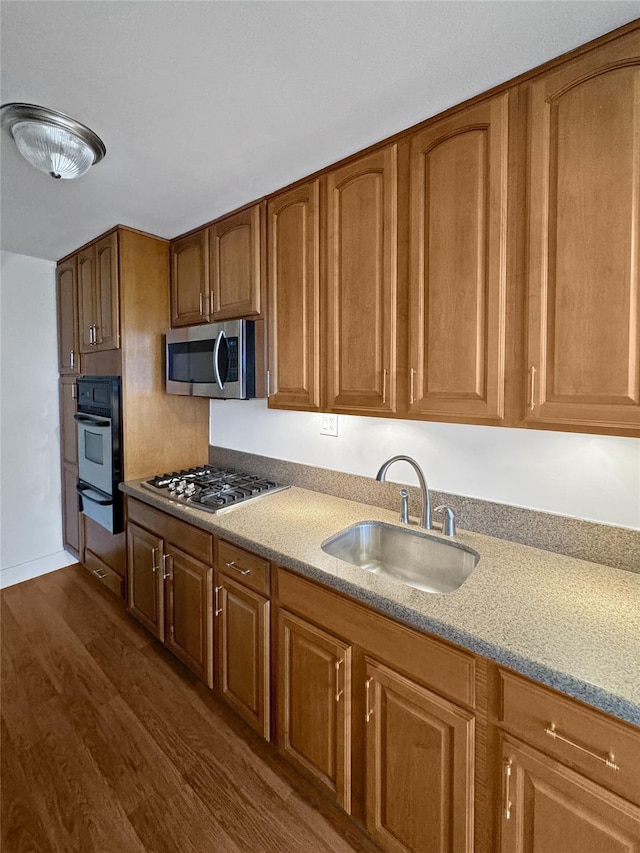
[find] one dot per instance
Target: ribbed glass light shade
(53, 150)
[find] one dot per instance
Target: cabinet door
(547, 808)
(188, 612)
(67, 289)
(106, 319)
(190, 297)
(458, 188)
(68, 426)
(87, 308)
(236, 263)
(419, 767)
(70, 513)
(294, 299)
(145, 593)
(584, 265)
(314, 699)
(242, 636)
(362, 283)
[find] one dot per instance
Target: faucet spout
(425, 518)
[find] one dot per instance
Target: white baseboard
(34, 568)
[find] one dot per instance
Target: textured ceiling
(204, 106)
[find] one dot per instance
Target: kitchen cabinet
(293, 228)
(458, 248)
(237, 246)
(362, 238)
(419, 766)
(314, 700)
(170, 580)
(69, 464)
(548, 807)
(583, 312)
(67, 299)
(98, 295)
(191, 301)
(242, 619)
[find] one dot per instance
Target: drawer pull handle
(338, 692)
(232, 565)
(100, 574)
(368, 711)
(609, 760)
(217, 609)
(507, 787)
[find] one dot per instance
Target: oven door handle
(88, 492)
(216, 359)
(91, 419)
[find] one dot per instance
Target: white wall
(30, 515)
(584, 476)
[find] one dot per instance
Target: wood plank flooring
(109, 745)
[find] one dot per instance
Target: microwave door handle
(216, 363)
(88, 419)
(93, 494)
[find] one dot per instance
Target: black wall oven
(100, 450)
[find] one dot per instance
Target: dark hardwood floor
(110, 745)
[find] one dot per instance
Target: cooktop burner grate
(212, 489)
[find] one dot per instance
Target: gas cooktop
(212, 489)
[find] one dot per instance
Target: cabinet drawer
(584, 738)
(105, 575)
(190, 539)
(243, 567)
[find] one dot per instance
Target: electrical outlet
(329, 425)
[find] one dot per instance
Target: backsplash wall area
(582, 477)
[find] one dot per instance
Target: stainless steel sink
(417, 559)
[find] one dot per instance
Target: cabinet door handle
(217, 610)
(412, 373)
(507, 788)
(232, 565)
(74, 391)
(154, 564)
(368, 713)
(608, 760)
(338, 692)
(91, 335)
(532, 388)
(268, 383)
(384, 385)
(72, 359)
(211, 308)
(200, 305)
(166, 572)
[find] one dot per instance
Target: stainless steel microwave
(217, 360)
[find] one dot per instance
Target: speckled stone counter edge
(606, 545)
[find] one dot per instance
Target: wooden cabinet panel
(362, 281)
(87, 308)
(293, 226)
(242, 635)
(584, 267)
(314, 696)
(198, 543)
(190, 295)
(67, 293)
(457, 325)
(419, 766)
(548, 808)
(68, 427)
(70, 514)
(188, 616)
(247, 569)
(100, 570)
(107, 333)
(236, 263)
(145, 595)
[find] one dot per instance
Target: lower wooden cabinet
(314, 704)
(419, 766)
(145, 595)
(548, 808)
(242, 642)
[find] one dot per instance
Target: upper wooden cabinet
(362, 236)
(67, 294)
(190, 294)
(583, 323)
(98, 297)
(236, 262)
(293, 226)
(458, 254)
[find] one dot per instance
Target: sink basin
(414, 558)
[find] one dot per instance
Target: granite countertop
(567, 623)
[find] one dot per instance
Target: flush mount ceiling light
(51, 141)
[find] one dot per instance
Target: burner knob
(172, 486)
(181, 486)
(190, 489)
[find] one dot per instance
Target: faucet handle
(448, 519)
(404, 506)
